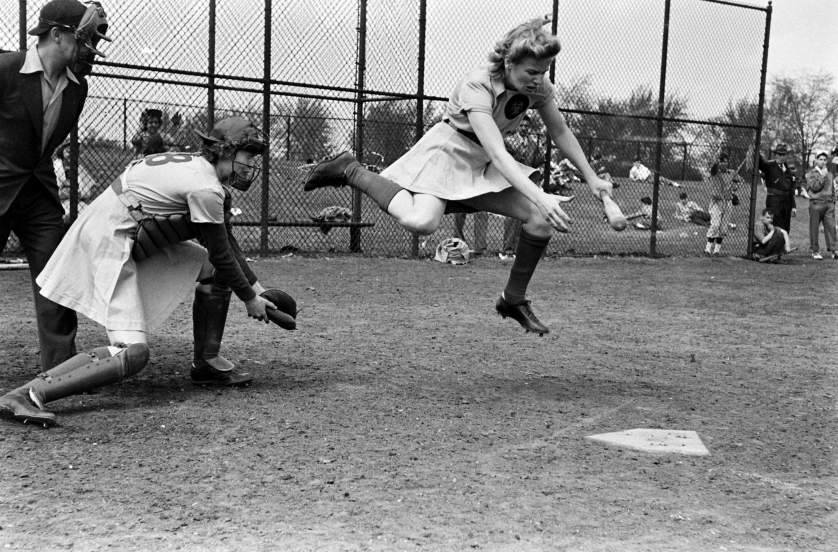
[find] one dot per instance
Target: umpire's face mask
(91, 29)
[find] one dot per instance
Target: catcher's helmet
(229, 136)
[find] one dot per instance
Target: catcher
(132, 260)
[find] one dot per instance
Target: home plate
(663, 441)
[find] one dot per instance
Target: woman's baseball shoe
(522, 313)
(330, 172)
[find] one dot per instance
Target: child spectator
(689, 211)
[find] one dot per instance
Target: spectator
(773, 242)
(644, 214)
(641, 173)
(779, 187)
(42, 92)
(689, 211)
(149, 140)
(722, 183)
(821, 193)
(601, 168)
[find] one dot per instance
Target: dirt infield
(405, 415)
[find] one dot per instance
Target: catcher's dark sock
(527, 254)
(380, 189)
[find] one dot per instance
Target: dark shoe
(330, 172)
(522, 313)
(204, 373)
(22, 408)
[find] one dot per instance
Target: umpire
(779, 183)
(42, 92)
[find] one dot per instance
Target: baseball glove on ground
(285, 314)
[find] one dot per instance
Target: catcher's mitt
(285, 314)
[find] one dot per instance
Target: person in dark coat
(779, 185)
(42, 93)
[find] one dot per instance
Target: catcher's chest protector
(159, 231)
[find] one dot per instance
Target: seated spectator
(641, 173)
(689, 211)
(599, 166)
(774, 241)
(644, 214)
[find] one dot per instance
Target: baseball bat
(615, 216)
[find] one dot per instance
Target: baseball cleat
(204, 373)
(329, 172)
(22, 408)
(522, 313)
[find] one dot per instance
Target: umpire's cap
(781, 149)
(66, 14)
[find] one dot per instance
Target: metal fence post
(22, 24)
(758, 141)
(355, 233)
(124, 124)
(548, 144)
(659, 144)
(420, 98)
(211, 68)
(266, 128)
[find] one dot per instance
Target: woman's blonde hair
(528, 39)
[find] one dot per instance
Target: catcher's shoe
(23, 408)
(522, 313)
(330, 172)
(218, 372)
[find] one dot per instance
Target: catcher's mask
(228, 137)
(92, 29)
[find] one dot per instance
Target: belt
(775, 192)
(468, 134)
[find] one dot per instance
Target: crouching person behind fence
(129, 259)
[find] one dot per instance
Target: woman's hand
(256, 308)
(550, 207)
(599, 185)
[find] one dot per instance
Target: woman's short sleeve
(206, 205)
(474, 95)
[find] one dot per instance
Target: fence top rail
(739, 5)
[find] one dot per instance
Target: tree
(310, 130)
(389, 130)
(800, 112)
(734, 140)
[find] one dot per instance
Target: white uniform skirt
(448, 165)
(92, 271)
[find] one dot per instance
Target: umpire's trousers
(36, 220)
(781, 207)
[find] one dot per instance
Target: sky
(804, 38)
(714, 49)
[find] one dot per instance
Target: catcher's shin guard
(63, 381)
(21, 406)
(209, 316)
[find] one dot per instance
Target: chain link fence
(372, 75)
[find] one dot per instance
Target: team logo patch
(516, 105)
